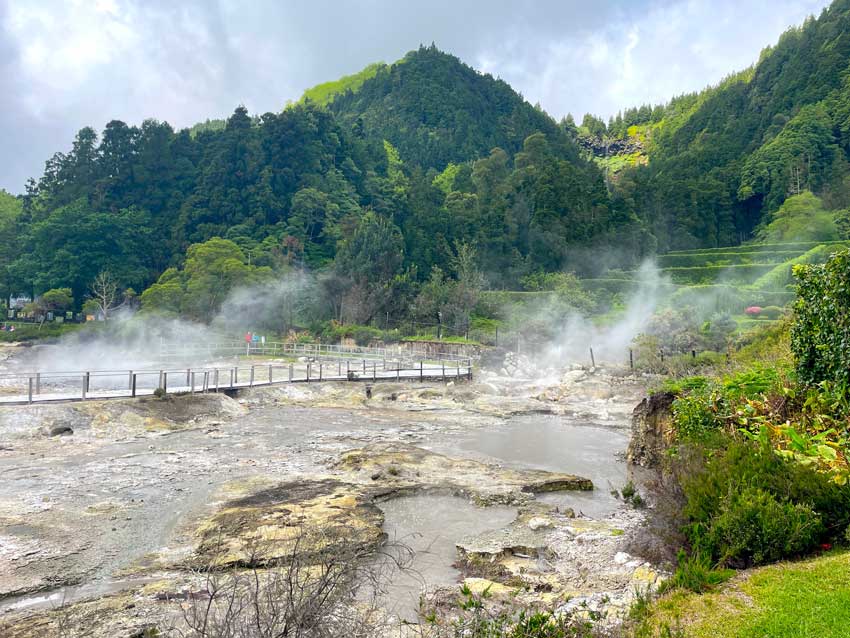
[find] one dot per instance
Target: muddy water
(557, 444)
(159, 483)
(430, 525)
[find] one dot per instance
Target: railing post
(457, 368)
(236, 375)
(338, 368)
(191, 382)
(206, 381)
(309, 365)
(374, 366)
(444, 369)
(188, 373)
(37, 383)
(421, 371)
(84, 387)
(270, 374)
(29, 391)
(164, 383)
(320, 370)
(159, 381)
(131, 379)
(347, 368)
(215, 379)
(88, 382)
(132, 385)
(290, 372)
(251, 382)
(364, 366)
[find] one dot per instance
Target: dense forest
(432, 162)
(722, 161)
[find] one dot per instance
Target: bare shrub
(321, 588)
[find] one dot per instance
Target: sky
(74, 63)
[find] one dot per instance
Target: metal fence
(170, 351)
(42, 387)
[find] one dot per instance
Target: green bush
(745, 466)
(820, 334)
(754, 527)
(695, 413)
(696, 573)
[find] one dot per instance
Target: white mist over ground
(577, 334)
(145, 341)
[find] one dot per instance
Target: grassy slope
(324, 93)
(807, 599)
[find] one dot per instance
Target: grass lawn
(806, 599)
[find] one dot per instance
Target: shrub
(727, 493)
(695, 413)
(696, 573)
(753, 527)
(820, 334)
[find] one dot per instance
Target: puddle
(557, 444)
(55, 598)
(430, 525)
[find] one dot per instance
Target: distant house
(18, 303)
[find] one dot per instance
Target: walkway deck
(62, 387)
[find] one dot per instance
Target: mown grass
(806, 599)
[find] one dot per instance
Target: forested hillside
(723, 161)
(436, 160)
(289, 188)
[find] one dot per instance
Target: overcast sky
(65, 65)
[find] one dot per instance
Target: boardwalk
(333, 364)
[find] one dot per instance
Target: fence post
(457, 368)
(192, 383)
(364, 366)
(215, 379)
(88, 382)
(164, 383)
(338, 368)
(29, 392)
(444, 369)
(320, 370)
(271, 373)
(421, 371)
(347, 368)
(592, 359)
(132, 385)
(188, 373)
(374, 367)
(84, 387)
(38, 383)
(131, 379)
(251, 380)
(206, 381)
(309, 365)
(290, 373)
(236, 375)
(159, 382)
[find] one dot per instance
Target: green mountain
(448, 156)
(722, 161)
(435, 109)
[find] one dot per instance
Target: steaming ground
(114, 507)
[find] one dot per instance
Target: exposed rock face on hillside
(652, 429)
(606, 147)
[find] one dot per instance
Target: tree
(56, 299)
(370, 260)
(104, 293)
